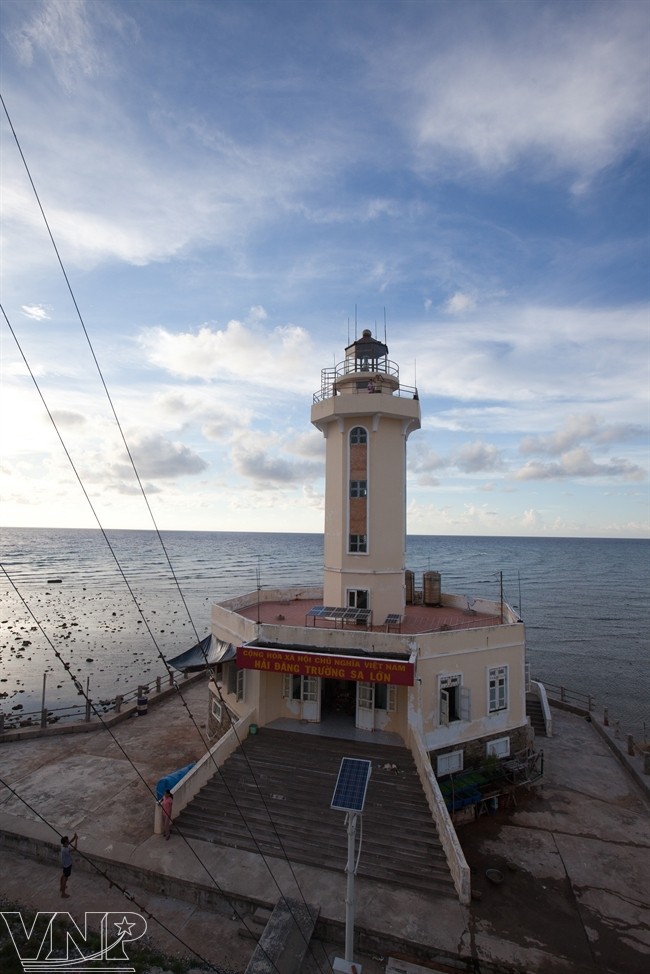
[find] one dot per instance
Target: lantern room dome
(368, 353)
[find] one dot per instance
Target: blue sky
(227, 182)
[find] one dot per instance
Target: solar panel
(351, 784)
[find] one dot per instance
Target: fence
(585, 703)
(86, 711)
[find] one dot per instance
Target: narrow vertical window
(497, 689)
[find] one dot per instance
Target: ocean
(113, 612)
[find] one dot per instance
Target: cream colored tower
(366, 417)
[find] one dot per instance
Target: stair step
(272, 796)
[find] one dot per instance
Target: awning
(208, 652)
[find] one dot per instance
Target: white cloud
(577, 429)
(477, 457)
(459, 303)
(561, 92)
(578, 463)
(36, 311)
(156, 457)
(68, 33)
(273, 357)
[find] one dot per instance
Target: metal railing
(586, 703)
(86, 711)
(329, 379)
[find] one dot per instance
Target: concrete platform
(574, 855)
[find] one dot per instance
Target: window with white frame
(386, 697)
(217, 710)
(358, 488)
(449, 763)
(358, 544)
(497, 689)
(499, 748)
(291, 686)
(454, 699)
(358, 435)
(234, 680)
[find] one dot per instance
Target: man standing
(67, 845)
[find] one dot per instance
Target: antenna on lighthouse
(355, 322)
(385, 342)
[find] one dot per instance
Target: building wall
(381, 516)
(469, 654)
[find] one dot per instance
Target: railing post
(2, 723)
(606, 717)
(630, 744)
(43, 717)
(118, 703)
(87, 709)
(158, 684)
(591, 703)
(171, 679)
(617, 730)
(562, 695)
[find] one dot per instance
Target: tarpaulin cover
(168, 782)
(208, 652)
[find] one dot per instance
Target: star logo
(124, 927)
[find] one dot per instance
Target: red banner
(360, 668)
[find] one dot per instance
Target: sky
(235, 189)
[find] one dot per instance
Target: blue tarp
(172, 779)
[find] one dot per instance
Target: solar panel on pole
(351, 785)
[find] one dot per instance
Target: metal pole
(43, 713)
(349, 896)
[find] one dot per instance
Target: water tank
(409, 577)
(432, 591)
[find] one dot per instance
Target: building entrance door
(310, 697)
(365, 719)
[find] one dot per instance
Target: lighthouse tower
(366, 416)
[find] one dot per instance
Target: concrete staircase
(534, 711)
(272, 796)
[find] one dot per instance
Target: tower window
(358, 488)
(358, 543)
(358, 435)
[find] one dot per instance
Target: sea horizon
(583, 601)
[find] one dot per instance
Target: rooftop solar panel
(351, 785)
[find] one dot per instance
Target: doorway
(339, 698)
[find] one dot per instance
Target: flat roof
(416, 618)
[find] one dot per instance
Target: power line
(112, 881)
(160, 653)
(142, 490)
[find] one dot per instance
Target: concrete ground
(574, 855)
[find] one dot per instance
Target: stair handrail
(460, 871)
(205, 768)
(539, 690)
